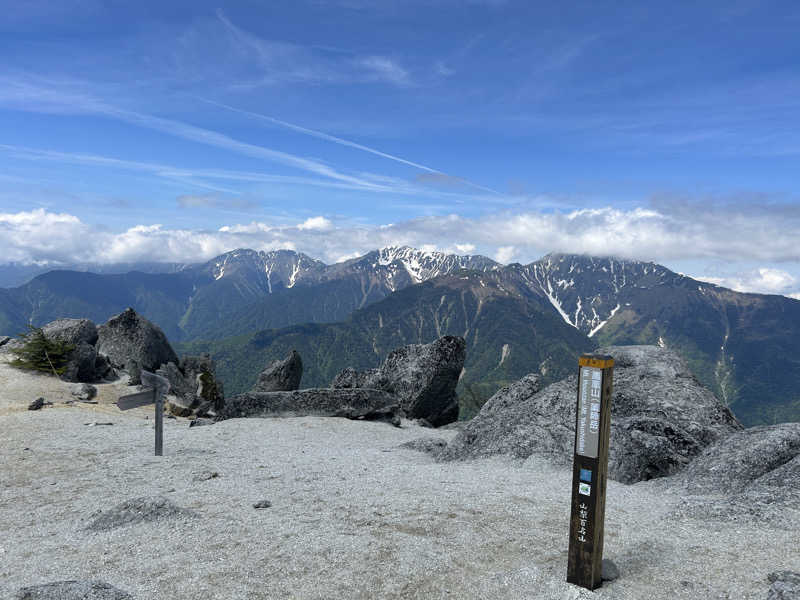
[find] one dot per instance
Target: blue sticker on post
(586, 475)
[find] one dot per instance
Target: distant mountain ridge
(745, 347)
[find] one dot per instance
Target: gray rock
(36, 404)
(81, 364)
(352, 404)
(72, 590)
(431, 446)
(762, 460)
(80, 333)
(137, 510)
(11, 344)
(71, 331)
(209, 394)
(134, 372)
(102, 367)
(752, 475)
(785, 585)
(4, 339)
(608, 570)
(262, 504)
(84, 391)
(281, 375)
(200, 422)
(194, 390)
(128, 336)
(206, 475)
(423, 377)
(661, 418)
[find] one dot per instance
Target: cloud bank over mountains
(769, 236)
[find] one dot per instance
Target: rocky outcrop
(423, 378)
(281, 375)
(129, 337)
(194, 389)
(752, 474)
(71, 331)
(72, 590)
(365, 404)
(84, 363)
(661, 418)
(763, 461)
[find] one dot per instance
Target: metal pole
(160, 387)
(159, 399)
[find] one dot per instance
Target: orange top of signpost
(598, 361)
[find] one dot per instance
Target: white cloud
(385, 69)
(764, 280)
(315, 223)
(766, 236)
(505, 254)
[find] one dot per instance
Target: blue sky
(177, 131)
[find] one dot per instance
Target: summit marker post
(590, 470)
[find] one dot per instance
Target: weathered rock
(193, 388)
(281, 375)
(209, 394)
(352, 404)
(178, 384)
(200, 422)
(73, 590)
(128, 336)
(36, 404)
(137, 510)
(134, 372)
(102, 367)
(785, 585)
(751, 475)
(10, 344)
(431, 446)
(81, 364)
(81, 334)
(84, 391)
(71, 331)
(262, 504)
(608, 570)
(661, 418)
(762, 460)
(423, 377)
(206, 475)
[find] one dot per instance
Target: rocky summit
(422, 376)
(661, 418)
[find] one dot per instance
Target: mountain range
(247, 308)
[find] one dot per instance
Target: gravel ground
(352, 514)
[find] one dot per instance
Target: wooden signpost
(590, 470)
(159, 386)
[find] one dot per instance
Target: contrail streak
(342, 142)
